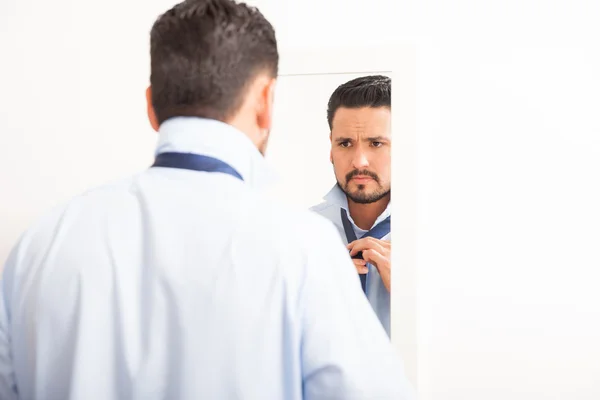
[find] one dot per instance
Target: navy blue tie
(379, 231)
(194, 162)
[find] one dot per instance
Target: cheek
(340, 164)
(340, 158)
(383, 169)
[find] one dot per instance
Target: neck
(248, 126)
(365, 215)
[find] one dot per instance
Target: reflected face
(361, 152)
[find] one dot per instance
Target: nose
(360, 161)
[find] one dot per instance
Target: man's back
(180, 284)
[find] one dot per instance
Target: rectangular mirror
(299, 149)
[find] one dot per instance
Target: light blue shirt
(376, 292)
(178, 284)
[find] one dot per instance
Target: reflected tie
(379, 231)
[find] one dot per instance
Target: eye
(377, 144)
(345, 143)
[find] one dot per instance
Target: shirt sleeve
(346, 353)
(8, 387)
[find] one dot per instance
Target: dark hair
(204, 54)
(366, 91)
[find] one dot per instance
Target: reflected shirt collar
(218, 140)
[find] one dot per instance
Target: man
(183, 282)
(359, 116)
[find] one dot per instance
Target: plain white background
(508, 135)
(509, 222)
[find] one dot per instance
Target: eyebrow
(370, 139)
(378, 139)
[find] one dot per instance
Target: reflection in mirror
(332, 147)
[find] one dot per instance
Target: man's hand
(376, 252)
(361, 266)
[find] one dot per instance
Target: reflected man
(359, 205)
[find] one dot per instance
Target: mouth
(361, 178)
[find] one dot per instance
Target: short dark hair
(204, 54)
(366, 91)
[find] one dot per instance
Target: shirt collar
(336, 196)
(218, 140)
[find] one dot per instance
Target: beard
(360, 195)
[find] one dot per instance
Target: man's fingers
(359, 262)
(364, 244)
(361, 266)
(374, 257)
(359, 241)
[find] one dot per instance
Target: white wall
(509, 222)
(510, 226)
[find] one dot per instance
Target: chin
(364, 194)
(363, 186)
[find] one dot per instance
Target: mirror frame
(399, 60)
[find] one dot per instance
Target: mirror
(300, 148)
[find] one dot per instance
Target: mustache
(364, 172)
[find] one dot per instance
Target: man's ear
(265, 103)
(150, 109)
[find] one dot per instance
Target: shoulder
(39, 235)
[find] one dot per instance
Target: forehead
(361, 122)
